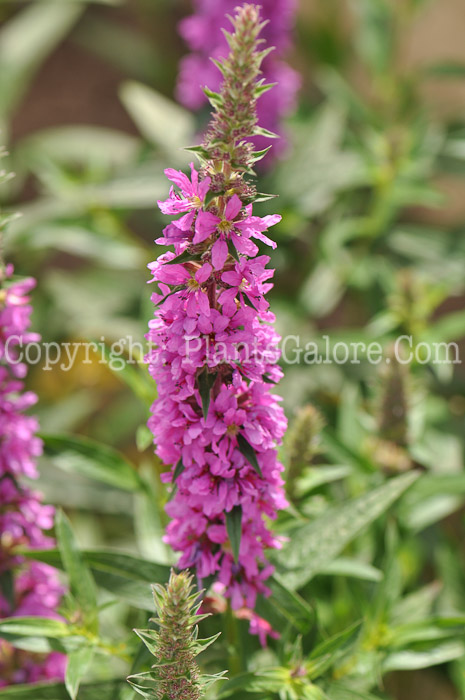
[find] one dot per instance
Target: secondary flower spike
(203, 33)
(214, 351)
(176, 674)
(26, 587)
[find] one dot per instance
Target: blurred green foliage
(369, 591)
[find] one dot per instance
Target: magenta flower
(247, 278)
(192, 192)
(214, 352)
(23, 518)
(228, 228)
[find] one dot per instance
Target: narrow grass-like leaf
(178, 470)
(107, 690)
(411, 660)
(285, 606)
(160, 120)
(205, 382)
(232, 250)
(92, 459)
(82, 584)
(234, 528)
(125, 576)
(183, 257)
(248, 451)
(34, 627)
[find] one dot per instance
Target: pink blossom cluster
(217, 296)
(203, 34)
(34, 587)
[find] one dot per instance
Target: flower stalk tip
(176, 674)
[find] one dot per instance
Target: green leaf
(92, 459)
(25, 42)
(83, 243)
(232, 250)
(338, 450)
(7, 587)
(183, 257)
(78, 145)
(161, 121)
(205, 381)
(328, 652)
(82, 584)
(427, 630)
(249, 453)
(126, 576)
(342, 691)
(199, 151)
(144, 683)
(260, 131)
(260, 89)
(314, 477)
(353, 569)
(76, 669)
(234, 528)
(263, 197)
(410, 660)
(34, 627)
(258, 155)
(214, 98)
(315, 545)
(108, 690)
(285, 606)
(178, 470)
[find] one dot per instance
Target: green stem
(232, 636)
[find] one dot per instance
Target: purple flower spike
(35, 588)
(214, 349)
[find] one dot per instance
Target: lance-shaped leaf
(34, 627)
(234, 529)
(178, 469)
(232, 250)
(214, 98)
(260, 131)
(123, 575)
(285, 606)
(76, 669)
(248, 451)
(186, 256)
(81, 581)
(316, 544)
(205, 381)
(81, 455)
(199, 151)
(258, 155)
(107, 690)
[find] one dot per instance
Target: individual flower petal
(232, 208)
(219, 254)
(204, 273)
(205, 224)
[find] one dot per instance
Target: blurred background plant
(370, 602)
